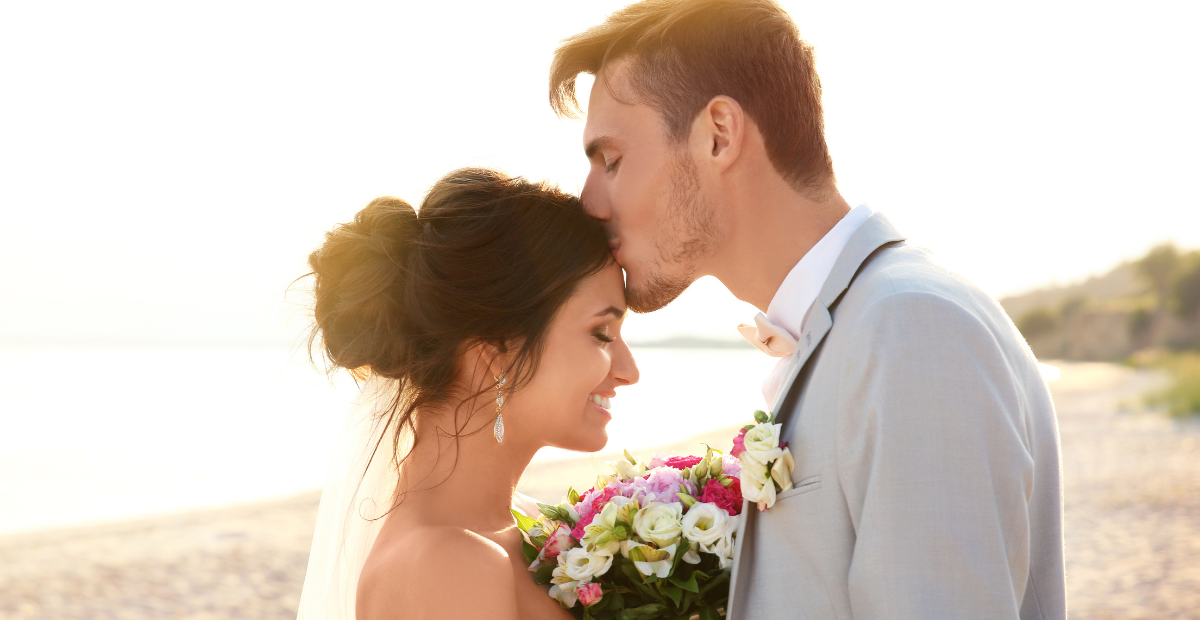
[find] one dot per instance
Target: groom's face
(646, 189)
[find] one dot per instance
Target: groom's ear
(722, 124)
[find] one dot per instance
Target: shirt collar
(803, 283)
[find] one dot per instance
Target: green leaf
(529, 551)
(709, 613)
(644, 612)
(550, 512)
(573, 495)
(523, 522)
(688, 584)
(748, 427)
(684, 545)
(722, 578)
(673, 592)
(543, 574)
(761, 416)
(635, 578)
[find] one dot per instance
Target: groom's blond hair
(685, 52)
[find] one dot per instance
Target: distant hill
(1150, 302)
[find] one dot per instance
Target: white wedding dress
(358, 491)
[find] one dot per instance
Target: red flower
(739, 444)
(729, 500)
(682, 462)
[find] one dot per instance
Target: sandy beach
(1132, 528)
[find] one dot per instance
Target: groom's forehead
(615, 111)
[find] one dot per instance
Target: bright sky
(165, 168)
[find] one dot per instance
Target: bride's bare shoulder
(437, 572)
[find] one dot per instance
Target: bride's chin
(594, 442)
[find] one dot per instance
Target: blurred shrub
(1140, 321)
(1159, 267)
(1187, 292)
(1183, 396)
(1072, 306)
(1036, 322)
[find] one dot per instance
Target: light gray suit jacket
(927, 480)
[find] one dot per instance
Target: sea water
(94, 434)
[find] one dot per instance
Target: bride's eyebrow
(613, 310)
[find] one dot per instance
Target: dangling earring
(498, 429)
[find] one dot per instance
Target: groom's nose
(594, 198)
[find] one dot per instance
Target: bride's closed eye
(602, 335)
(612, 167)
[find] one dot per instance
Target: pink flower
(665, 482)
(733, 467)
(590, 506)
(682, 462)
(658, 459)
(729, 500)
(589, 593)
(558, 541)
(739, 444)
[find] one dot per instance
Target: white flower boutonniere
(767, 464)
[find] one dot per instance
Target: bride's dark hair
(488, 259)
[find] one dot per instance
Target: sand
(1132, 482)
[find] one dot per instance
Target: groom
(927, 479)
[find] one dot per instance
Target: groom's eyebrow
(613, 310)
(595, 145)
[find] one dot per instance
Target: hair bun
(360, 278)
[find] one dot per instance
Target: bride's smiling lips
(601, 403)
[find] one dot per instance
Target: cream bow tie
(768, 337)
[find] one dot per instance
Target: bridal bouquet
(650, 540)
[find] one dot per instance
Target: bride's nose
(624, 368)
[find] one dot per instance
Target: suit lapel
(876, 232)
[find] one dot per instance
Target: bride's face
(584, 361)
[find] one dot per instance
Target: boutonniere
(767, 464)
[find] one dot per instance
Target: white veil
(353, 500)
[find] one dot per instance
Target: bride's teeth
(603, 401)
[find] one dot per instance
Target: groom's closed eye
(594, 147)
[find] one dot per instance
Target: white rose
(705, 523)
(756, 481)
(762, 444)
(659, 523)
(578, 564)
(723, 547)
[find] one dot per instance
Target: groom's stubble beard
(688, 235)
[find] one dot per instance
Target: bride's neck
(467, 480)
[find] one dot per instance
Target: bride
(482, 328)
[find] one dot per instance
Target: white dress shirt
(789, 307)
